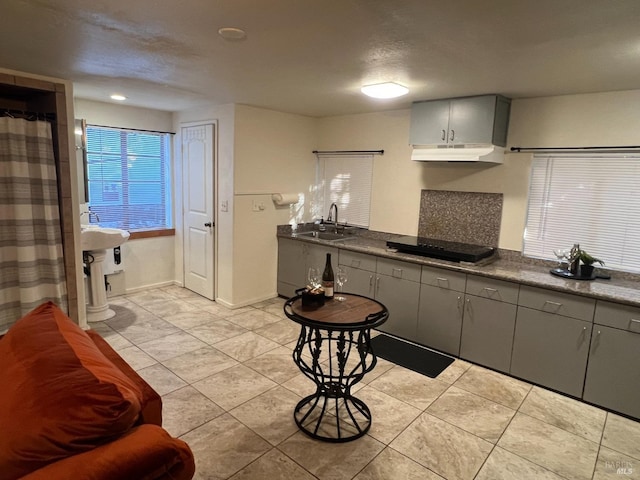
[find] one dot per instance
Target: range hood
(466, 153)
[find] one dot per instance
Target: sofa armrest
(147, 452)
(151, 402)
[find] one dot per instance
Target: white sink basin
(102, 238)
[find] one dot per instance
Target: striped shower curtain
(31, 257)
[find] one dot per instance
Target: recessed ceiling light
(231, 33)
(117, 96)
(384, 90)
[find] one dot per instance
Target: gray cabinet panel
(613, 376)
(619, 316)
(492, 289)
(359, 282)
(429, 123)
(471, 120)
(551, 350)
(291, 267)
(316, 256)
(401, 299)
(557, 303)
(441, 278)
(440, 318)
(397, 269)
(487, 332)
(362, 261)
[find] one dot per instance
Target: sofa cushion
(60, 395)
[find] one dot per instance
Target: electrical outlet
(224, 206)
(257, 206)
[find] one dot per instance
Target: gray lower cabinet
(441, 309)
(291, 267)
(397, 287)
(551, 350)
(361, 272)
(613, 376)
(294, 260)
(489, 321)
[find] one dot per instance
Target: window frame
(127, 221)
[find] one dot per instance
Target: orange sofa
(71, 407)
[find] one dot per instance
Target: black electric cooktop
(441, 249)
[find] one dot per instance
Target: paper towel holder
(285, 199)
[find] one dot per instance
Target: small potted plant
(587, 261)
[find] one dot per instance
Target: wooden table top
(353, 310)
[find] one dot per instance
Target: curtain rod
(611, 149)
(132, 129)
(28, 115)
(348, 152)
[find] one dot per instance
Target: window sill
(166, 232)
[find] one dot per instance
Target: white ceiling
(311, 56)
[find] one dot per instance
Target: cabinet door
(440, 318)
(551, 350)
(359, 282)
(316, 256)
(291, 268)
(401, 299)
(429, 123)
(487, 332)
(613, 376)
(471, 120)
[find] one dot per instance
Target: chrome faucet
(97, 217)
(330, 217)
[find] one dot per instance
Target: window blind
(129, 178)
(589, 199)
(346, 181)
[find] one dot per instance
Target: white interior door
(198, 207)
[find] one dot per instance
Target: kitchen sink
(327, 236)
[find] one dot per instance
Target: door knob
(208, 224)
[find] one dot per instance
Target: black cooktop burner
(444, 250)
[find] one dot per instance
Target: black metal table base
(335, 361)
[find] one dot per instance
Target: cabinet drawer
(555, 302)
(396, 269)
(439, 277)
(619, 316)
(492, 289)
(362, 261)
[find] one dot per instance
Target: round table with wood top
(334, 351)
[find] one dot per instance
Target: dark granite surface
(622, 288)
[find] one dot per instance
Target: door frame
(198, 123)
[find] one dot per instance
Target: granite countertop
(621, 290)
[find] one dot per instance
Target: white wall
(148, 261)
(573, 120)
(273, 154)
(224, 118)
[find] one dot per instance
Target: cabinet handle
(443, 280)
(377, 284)
(452, 135)
(396, 272)
(355, 263)
(459, 303)
(444, 134)
(633, 320)
(554, 304)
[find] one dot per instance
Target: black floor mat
(408, 355)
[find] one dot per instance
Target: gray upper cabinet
(458, 121)
(613, 376)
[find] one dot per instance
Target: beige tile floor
(229, 386)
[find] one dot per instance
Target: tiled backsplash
(468, 217)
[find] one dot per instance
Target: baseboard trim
(246, 303)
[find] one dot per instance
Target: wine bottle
(327, 278)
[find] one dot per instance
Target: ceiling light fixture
(231, 33)
(118, 97)
(384, 90)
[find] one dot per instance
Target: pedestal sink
(96, 240)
